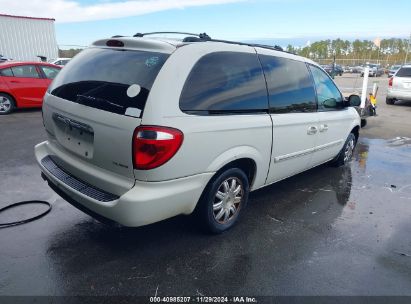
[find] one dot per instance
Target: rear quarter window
(6, 72)
(225, 82)
(101, 78)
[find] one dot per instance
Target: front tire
(223, 200)
(7, 104)
(346, 152)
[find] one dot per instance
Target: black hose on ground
(11, 224)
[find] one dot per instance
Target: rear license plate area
(74, 135)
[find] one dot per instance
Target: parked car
(356, 69)
(140, 130)
(2, 58)
(375, 70)
(60, 61)
(23, 84)
(346, 69)
(337, 70)
(399, 86)
(393, 69)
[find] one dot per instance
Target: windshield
(108, 79)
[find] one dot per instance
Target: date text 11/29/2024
(203, 299)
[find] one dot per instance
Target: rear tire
(389, 101)
(346, 152)
(223, 200)
(7, 104)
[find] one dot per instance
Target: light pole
(408, 46)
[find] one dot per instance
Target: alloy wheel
(5, 104)
(227, 200)
(349, 149)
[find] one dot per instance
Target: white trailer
(26, 38)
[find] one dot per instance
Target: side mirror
(354, 101)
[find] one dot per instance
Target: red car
(23, 84)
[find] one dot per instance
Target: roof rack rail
(272, 47)
(202, 36)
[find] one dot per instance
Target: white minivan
(143, 129)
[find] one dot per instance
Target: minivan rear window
(404, 72)
(109, 79)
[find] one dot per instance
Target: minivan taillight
(154, 146)
(390, 81)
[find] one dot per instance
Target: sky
(80, 22)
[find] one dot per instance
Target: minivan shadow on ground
(328, 231)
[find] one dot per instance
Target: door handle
(312, 130)
(323, 128)
(14, 81)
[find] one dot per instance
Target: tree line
(69, 53)
(355, 52)
(390, 51)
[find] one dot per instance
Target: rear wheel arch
(250, 159)
(389, 101)
(247, 165)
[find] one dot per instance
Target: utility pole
(408, 47)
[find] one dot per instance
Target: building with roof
(27, 38)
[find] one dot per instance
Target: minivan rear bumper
(399, 94)
(144, 203)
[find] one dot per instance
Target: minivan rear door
(94, 105)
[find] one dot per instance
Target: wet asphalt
(328, 231)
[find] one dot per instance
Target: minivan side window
(289, 85)
(225, 82)
(328, 96)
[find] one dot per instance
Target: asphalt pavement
(327, 231)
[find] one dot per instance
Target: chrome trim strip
(308, 151)
(293, 155)
(329, 145)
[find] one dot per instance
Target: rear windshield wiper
(97, 99)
